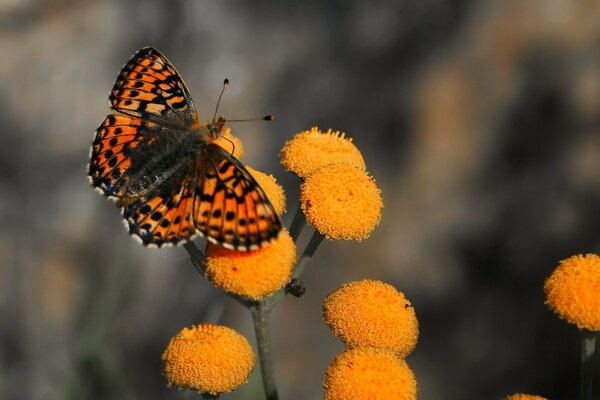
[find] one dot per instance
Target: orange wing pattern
(163, 218)
(116, 137)
(148, 84)
(230, 208)
(224, 204)
(154, 160)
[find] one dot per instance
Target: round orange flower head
(230, 143)
(208, 358)
(313, 149)
(274, 191)
(371, 313)
(341, 202)
(522, 396)
(366, 373)
(252, 274)
(573, 291)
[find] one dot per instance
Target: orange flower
(208, 358)
(365, 373)
(273, 189)
(521, 396)
(230, 143)
(253, 274)
(341, 202)
(371, 313)
(573, 291)
(311, 150)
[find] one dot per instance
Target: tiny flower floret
(208, 358)
(573, 291)
(373, 374)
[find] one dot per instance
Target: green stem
(261, 315)
(208, 396)
(297, 223)
(309, 252)
(307, 255)
(588, 350)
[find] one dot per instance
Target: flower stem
(309, 252)
(588, 350)
(208, 396)
(297, 223)
(261, 315)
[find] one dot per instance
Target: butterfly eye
(215, 130)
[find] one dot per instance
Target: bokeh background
(480, 121)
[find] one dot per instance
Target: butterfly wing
(116, 138)
(166, 215)
(222, 202)
(230, 208)
(213, 195)
(149, 85)
(152, 99)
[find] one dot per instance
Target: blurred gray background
(479, 119)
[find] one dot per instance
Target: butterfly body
(163, 169)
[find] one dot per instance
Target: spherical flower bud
(370, 313)
(252, 274)
(230, 143)
(208, 358)
(313, 149)
(341, 202)
(373, 374)
(521, 396)
(274, 191)
(573, 291)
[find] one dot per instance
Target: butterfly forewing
(116, 138)
(149, 84)
(169, 181)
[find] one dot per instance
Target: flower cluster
(522, 396)
(379, 327)
(338, 196)
(252, 274)
(341, 200)
(572, 291)
(208, 358)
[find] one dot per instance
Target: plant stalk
(588, 351)
(297, 223)
(261, 315)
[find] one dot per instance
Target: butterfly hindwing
(165, 215)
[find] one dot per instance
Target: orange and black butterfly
(163, 169)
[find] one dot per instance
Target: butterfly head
(215, 128)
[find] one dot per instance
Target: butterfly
(164, 170)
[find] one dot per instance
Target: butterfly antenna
(269, 117)
(225, 84)
(232, 144)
